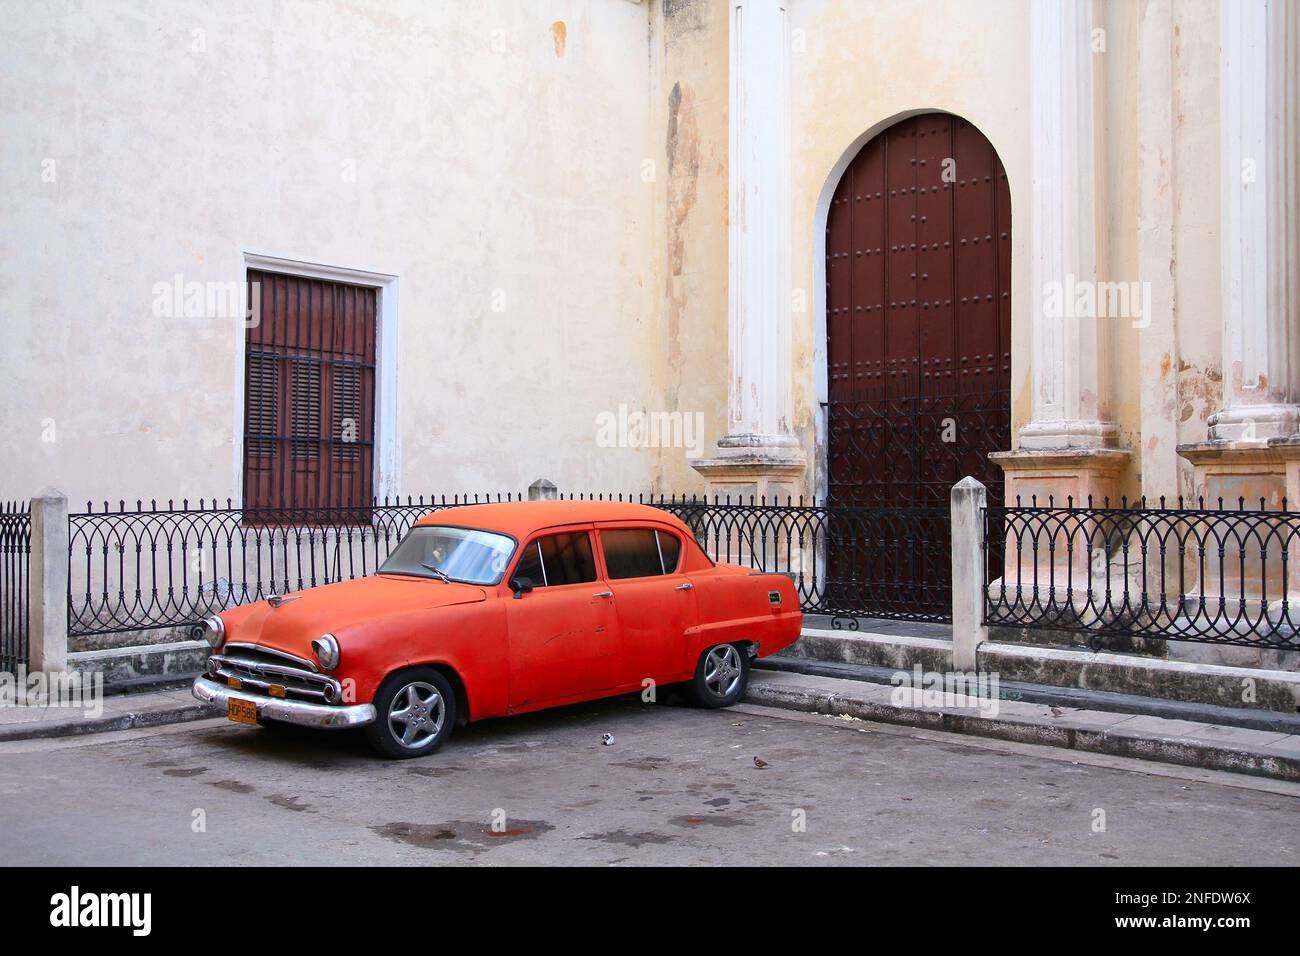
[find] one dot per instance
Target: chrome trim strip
(262, 649)
(264, 687)
(275, 670)
(290, 711)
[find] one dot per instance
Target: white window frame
(387, 445)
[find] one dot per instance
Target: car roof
(520, 518)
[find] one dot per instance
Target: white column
(1258, 114)
(47, 594)
(1070, 351)
(966, 504)
(758, 308)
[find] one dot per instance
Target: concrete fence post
(542, 490)
(47, 604)
(968, 629)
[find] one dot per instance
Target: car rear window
(640, 552)
(558, 559)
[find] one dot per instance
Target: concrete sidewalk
(1237, 749)
(126, 711)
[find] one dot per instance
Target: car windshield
(456, 554)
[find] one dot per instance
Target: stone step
(97, 642)
(1053, 696)
(131, 666)
(1247, 688)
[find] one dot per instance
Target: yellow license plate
(243, 711)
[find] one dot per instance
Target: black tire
(384, 735)
(705, 685)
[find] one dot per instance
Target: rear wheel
(414, 712)
(720, 676)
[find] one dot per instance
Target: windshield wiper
(438, 571)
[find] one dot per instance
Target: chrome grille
(258, 669)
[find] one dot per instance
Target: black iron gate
(892, 462)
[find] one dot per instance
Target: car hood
(335, 608)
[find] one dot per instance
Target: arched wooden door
(918, 301)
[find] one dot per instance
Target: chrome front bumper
(327, 716)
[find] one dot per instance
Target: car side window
(670, 549)
(639, 552)
(558, 559)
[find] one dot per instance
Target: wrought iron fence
(155, 567)
(1216, 575)
(15, 560)
(846, 560)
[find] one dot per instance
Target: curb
(1068, 732)
(38, 730)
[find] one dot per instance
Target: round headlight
(213, 630)
(327, 651)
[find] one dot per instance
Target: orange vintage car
(488, 610)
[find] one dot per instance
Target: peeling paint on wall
(1200, 392)
(682, 146)
(683, 16)
(559, 33)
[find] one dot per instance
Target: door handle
(684, 587)
(604, 594)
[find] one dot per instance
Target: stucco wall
(548, 181)
(497, 158)
(856, 68)
(1197, 259)
(690, 124)
(1164, 220)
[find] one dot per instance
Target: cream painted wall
(1116, 92)
(858, 67)
(689, 129)
(1165, 128)
(567, 157)
(495, 153)
(1199, 362)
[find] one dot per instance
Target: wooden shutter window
(345, 420)
(309, 394)
(263, 391)
(305, 409)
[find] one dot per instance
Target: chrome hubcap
(722, 670)
(415, 715)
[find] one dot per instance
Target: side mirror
(521, 584)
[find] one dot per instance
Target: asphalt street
(677, 785)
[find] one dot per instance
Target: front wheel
(720, 676)
(414, 713)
